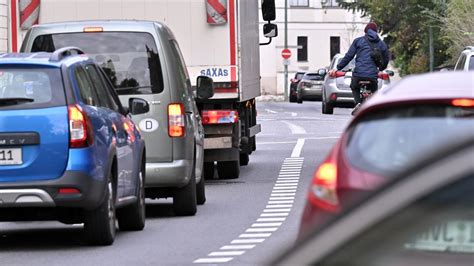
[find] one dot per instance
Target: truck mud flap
(255, 130)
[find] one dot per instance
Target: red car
(391, 130)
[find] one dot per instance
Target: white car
(466, 60)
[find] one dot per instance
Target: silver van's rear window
(130, 59)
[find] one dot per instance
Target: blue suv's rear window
(43, 87)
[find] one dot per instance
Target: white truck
(4, 19)
(219, 39)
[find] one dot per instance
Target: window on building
(302, 49)
(335, 45)
(299, 3)
(329, 3)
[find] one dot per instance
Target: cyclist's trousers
(355, 87)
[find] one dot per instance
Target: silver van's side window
(130, 59)
(183, 71)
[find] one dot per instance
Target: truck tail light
(219, 117)
(176, 124)
(323, 193)
(79, 128)
(383, 76)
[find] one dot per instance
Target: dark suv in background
(294, 84)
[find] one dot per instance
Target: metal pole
(431, 49)
(285, 84)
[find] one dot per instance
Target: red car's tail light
(463, 102)
(219, 117)
(323, 188)
(383, 76)
(176, 126)
(79, 128)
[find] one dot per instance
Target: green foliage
(405, 25)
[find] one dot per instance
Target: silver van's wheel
(201, 192)
(184, 199)
(99, 225)
(327, 108)
(132, 217)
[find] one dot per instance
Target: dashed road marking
(295, 129)
(274, 215)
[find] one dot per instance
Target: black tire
(185, 199)
(299, 100)
(132, 217)
(244, 159)
(99, 224)
(327, 109)
(201, 192)
(228, 170)
(208, 170)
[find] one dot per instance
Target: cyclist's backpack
(376, 54)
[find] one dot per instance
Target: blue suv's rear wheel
(132, 217)
(99, 225)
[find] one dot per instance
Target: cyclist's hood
(372, 36)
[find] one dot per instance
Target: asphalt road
(244, 222)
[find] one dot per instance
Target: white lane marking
(282, 194)
(295, 129)
(266, 224)
(278, 210)
(282, 198)
(257, 235)
(277, 143)
(237, 247)
(248, 241)
(272, 217)
(279, 206)
(281, 202)
(287, 189)
(261, 230)
(271, 111)
(226, 253)
(213, 260)
(273, 214)
(298, 148)
(280, 219)
(291, 181)
(293, 114)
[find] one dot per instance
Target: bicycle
(365, 94)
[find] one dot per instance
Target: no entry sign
(286, 53)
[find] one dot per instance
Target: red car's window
(387, 142)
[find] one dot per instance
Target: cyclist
(366, 68)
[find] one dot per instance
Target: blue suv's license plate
(11, 156)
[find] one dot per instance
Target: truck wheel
(132, 217)
(184, 199)
(327, 108)
(99, 224)
(201, 192)
(208, 170)
(228, 170)
(244, 159)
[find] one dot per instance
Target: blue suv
(68, 149)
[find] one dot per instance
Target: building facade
(317, 30)
(3, 26)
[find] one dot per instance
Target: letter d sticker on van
(148, 125)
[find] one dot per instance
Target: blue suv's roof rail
(61, 53)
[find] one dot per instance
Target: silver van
(142, 60)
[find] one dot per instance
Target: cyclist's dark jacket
(364, 64)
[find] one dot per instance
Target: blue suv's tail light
(79, 128)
